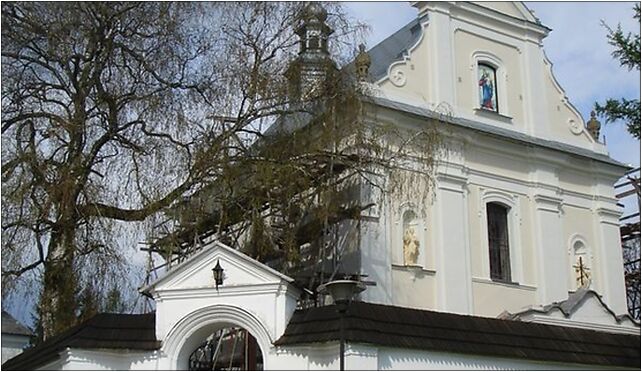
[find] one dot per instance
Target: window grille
(498, 243)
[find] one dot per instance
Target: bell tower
(309, 72)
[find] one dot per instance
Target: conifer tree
(627, 52)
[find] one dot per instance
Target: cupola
(309, 71)
(362, 64)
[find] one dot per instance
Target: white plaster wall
(492, 298)
(258, 300)
(102, 360)
(376, 252)
(510, 101)
(12, 345)
(553, 198)
(399, 359)
(531, 100)
(414, 287)
(323, 356)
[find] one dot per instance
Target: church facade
(533, 184)
(515, 263)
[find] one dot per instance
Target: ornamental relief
(397, 77)
(575, 127)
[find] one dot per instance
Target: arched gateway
(249, 310)
(191, 331)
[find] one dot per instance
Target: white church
(516, 262)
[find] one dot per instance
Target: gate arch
(186, 335)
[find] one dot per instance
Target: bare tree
(95, 98)
(292, 195)
(117, 111)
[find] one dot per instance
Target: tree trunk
(58, 300)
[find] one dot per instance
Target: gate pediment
(239, 270)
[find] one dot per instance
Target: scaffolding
(628, 195)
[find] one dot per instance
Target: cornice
(225, 291)
(564, 322)
(607, 166)
(548, 202)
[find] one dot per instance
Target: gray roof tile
(11, 326)
(430, 330)
(393, 48)
(103, 331)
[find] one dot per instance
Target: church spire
(309, 71)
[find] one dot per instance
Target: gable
(511, 8)
(196, 272)
(590, 309)
(583, 309)
(503, 35)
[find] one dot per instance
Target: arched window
(581, 265)
(487, 85)
(411, 243)
(498, 242)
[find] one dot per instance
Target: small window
(487, 87)
(498, 247)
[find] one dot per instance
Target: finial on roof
(362, 63)
(316, 11)
(593, 126)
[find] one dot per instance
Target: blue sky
(576, 46)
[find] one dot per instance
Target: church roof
(464, 334)
(12, 326)
(393, 48)
(103, 331)
(369, 323)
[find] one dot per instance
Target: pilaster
(537, 118)
(441, 39)
(610, 277)
(551, 251)
(453, 256)
(361, 357)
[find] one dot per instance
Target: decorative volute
(362, 63)
(593, 126)
(309, 71)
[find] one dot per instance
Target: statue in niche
(410, 246)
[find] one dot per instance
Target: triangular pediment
(196, 272)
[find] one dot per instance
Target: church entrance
(227, 349)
